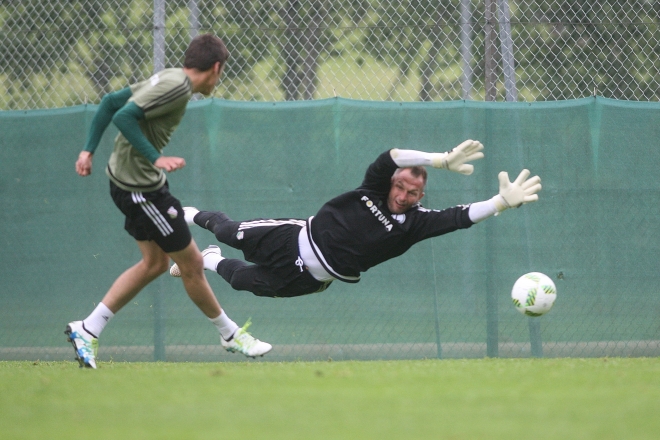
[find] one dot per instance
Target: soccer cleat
(244, 342)
(213, 251)
(189, 214)
(84, 344)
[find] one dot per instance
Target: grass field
(606, 398)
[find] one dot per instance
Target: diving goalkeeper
(355, 231)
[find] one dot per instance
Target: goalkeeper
(355, 231)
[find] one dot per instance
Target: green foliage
(578, 46)
(242, 25)
(563, 48)
(107, 40)
(31, 37)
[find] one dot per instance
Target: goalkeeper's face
(406, 191)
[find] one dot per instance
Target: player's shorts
(155, 215)
(271, 244)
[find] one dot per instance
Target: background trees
(65, 52)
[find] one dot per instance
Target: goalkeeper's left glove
(516, 193)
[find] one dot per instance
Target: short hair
(204, 51)
(416, 171)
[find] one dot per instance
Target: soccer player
(355, 231)
(146, 114)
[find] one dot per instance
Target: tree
(579, 47)
(418, 33)
(43, 39)
(306, 37)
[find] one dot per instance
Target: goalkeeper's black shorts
(272, 246)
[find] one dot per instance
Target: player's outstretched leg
(85, 344)
(205, 219)
(244, 342)
(212, 256)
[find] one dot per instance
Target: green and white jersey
(163, 99)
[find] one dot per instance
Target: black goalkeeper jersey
(356, 230)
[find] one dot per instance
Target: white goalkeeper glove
(455, 160)
(516, 193)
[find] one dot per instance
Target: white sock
(189, 214)
(98, 319)
(211, 261)
(225, 325)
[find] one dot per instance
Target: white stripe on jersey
(321, 258)
(153, 213)
(269, 223)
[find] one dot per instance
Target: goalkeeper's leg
(248, 277)
(224, 228)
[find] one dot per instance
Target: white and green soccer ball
(533, 294)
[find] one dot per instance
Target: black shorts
(155, 215)
(272, 245)
(275, 249)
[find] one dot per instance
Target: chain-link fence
(59, 53)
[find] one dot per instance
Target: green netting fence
(594, 231)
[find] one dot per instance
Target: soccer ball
(533, 294)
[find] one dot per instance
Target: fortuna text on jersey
(376, 212)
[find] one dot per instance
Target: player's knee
(163, 265)
(157, 266)
(192, 266)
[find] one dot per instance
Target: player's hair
(416, 171)
(204, 51)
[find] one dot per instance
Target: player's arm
(378, 176)
(106, 110)
(454, 160)
(127, 121)
(512, 195)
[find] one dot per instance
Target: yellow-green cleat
(244, 342)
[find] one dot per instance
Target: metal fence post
(159, 321)
(466, 48)
(492, 314)
(506, 42)
(159, 35)
(490, 80)
(193, 6)
(535, 340)
(159, 64)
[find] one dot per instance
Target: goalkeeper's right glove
(456, 159)
(516, 193)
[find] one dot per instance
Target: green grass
(611, 398)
